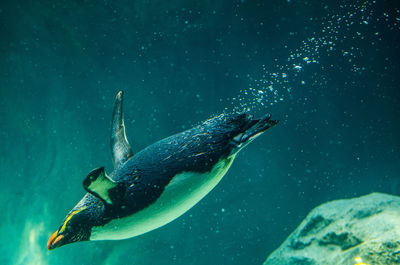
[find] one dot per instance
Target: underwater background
(328, 70)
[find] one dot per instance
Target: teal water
(329, 70)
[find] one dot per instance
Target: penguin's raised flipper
(103, 187)
(120, 148)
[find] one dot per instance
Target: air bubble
(340, 35)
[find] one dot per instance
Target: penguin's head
(77, 226)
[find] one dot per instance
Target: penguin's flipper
(120, 148)
(103, 187)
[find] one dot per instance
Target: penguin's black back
(198, 149)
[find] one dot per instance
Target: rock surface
(357, 231)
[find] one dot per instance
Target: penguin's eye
(72, 219)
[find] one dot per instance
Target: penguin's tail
(251, 128)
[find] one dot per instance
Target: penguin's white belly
(181, 194)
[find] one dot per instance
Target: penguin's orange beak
(54, 241)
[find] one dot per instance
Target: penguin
(153, 187)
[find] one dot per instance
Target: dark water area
(328, 70)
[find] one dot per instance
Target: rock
(357, 231)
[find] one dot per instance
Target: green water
(328, 70)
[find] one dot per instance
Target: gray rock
(357, 231)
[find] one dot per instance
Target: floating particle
(338, 28)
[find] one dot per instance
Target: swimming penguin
(158, 184)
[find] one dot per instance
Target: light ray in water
(31, 251)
